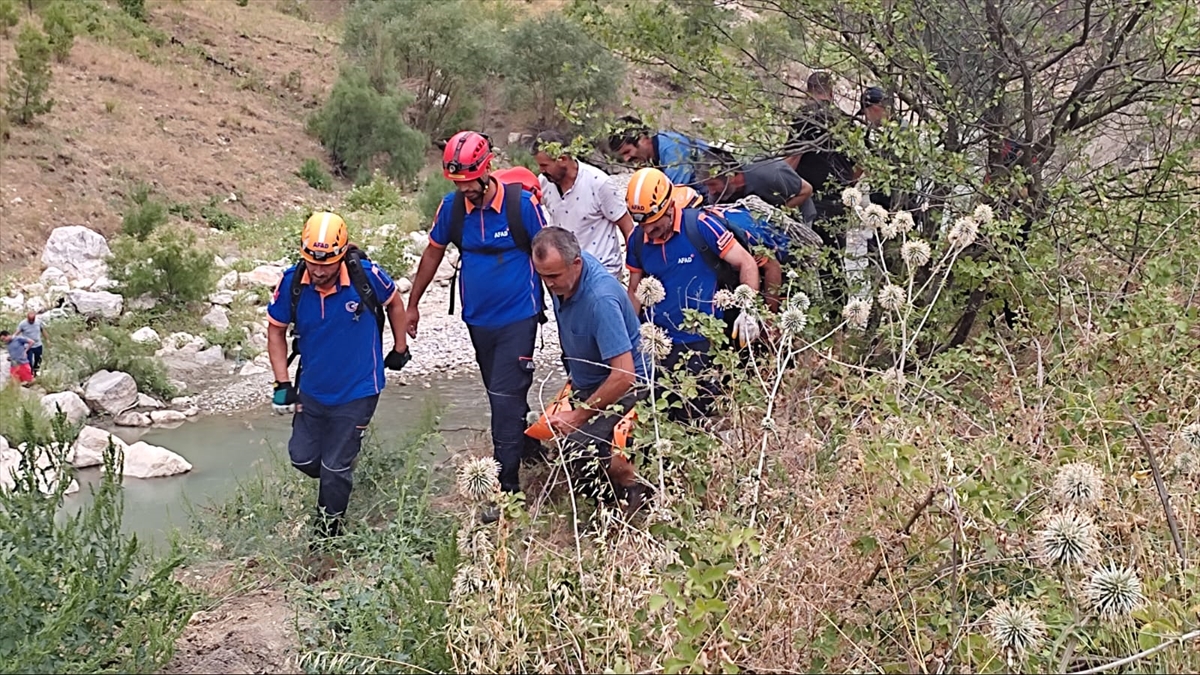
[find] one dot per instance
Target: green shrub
(361, 127)
(242, 3)
(556, 66)
(29, 77)
(60, 29)
(134, 8)
(219, 219)
(395, 254)
(21, 417)
(9, 16)
(111, 348)
(378, 196)
(144, 215)
(168, 266)
(433, 191)
(315, 175)
(79, 594)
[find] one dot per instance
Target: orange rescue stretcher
(622, 433)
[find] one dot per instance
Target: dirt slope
(217, 110)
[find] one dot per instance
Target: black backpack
(516, 229)
(358, 278)
(727, 274)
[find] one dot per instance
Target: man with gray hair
(599, 333)
(584, 200)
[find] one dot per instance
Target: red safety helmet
(467, 156)
(519, 174)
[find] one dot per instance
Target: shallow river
(223, 448)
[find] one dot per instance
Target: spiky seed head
(1190, 435)
(963, 232)
(856, 312)
(744, 296)
(892, 298)
(875, 217)
(851, 197)
(1068, 538)
(1014, 628)
(1079, 484)
(903, 221)
(916, 253)
(983, 214)
(723, 299)
(650, 291)
(655, 341)
(1113, 591)
(793, 321)
(799, 301)
(479, 478)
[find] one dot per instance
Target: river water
(222, 448)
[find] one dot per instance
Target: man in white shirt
(583, 199)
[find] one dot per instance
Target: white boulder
(142, 302)
(82, 284)
(183, 401)
(143, 460)
(228, 282)
(104, 284)
(252, 368)
(145, 401)
(69, 403)
(37, 304)
(132, 418)
(90, 446)
(224, 298)
(97, 303)
(167, 417)
(263, 275)
(13, 305)
(216, 318)
(403, 284)
(52, 276)
(78, 251)
(112, 392)
(145, 335)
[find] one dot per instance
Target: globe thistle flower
(983, 214)
(650, 291)
(1068, 538)
(851, 197)
(916, 253)
(1191, 435)
(743, 296)
(903, 221)
(963, 232)
(888, 230)
(1186, 463)
(655, 341)
(892, 297)
(723, 299)
(857, 312)
(1114, 591)
(1079, 484)
(799, 301)
(1014, 629)
(474, 542)
(479, 478)
(467, 581)
(793, 321)
(874, 216)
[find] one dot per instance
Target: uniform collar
(497, 201)
(343, 277)
(674, 227)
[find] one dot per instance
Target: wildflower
(467, 581)
(1186, 463)
(1114, 591)
(892, 297)
(723, 299)
(916, 253)
(1069, 538)
(743, 296)
(799, 301)
(887, 230)
(655, 341)
(1191, 435)
(963, 232)
(479, 478)
(903, 221)
(983, 214)
(851, 197)
(1015, 629)
(856, 312)
(793, 274)
(650, 292)
(793, 321)
(1078, 484)
(874, 217)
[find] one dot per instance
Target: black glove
(284, 399)
(396, 360)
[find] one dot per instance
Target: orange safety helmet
(686, 197)
(324, 239)
(519, 174)
(648, 195)
(540, 430)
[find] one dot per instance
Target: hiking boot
(325, 530)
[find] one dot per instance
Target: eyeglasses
(653, 215)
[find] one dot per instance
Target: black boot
(325, 530)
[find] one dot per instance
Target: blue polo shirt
(677, 156)
(688, 281)
(596, 324)
(340, 343)
(498, 285)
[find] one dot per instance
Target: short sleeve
(280, 309)
(612, 340)
(440, 234)
(631, 260)
(381, 283)
(784, 182)
(612, 202)
(531, 215)
(716, 235)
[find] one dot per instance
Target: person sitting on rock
(18, 356)
(337, 301)
(599, 333)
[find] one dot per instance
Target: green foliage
(219, 219)
(22, 419)
(395, 255)
(144, 214)
(134, 8)
(243, 3)
(363, 128)
(29, 77)
(80, 595)
(9, 16)
(433, 191)
(379, 195)
(315, 175)
(111, 25)
(168, 266)
(60, 28)
(556, 66)
(111, 348)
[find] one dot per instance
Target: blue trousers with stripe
(325, 442)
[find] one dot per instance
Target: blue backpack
(727, 275)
